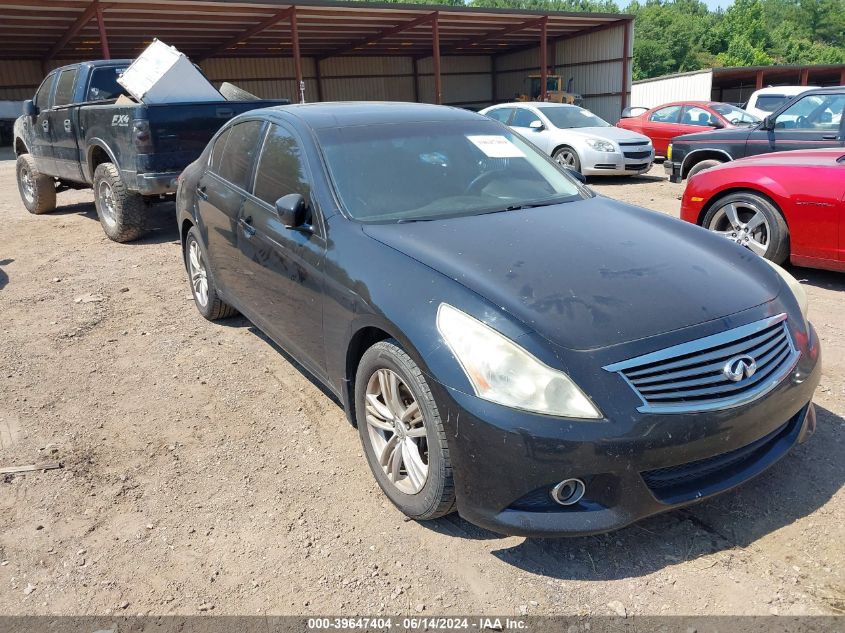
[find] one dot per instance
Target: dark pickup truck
(74, 135)
(812, 119)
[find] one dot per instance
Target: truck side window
(64, 89)
(42, 97)
(103, 84)
(281, 168)
(241, 148)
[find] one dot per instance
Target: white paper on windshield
(495, 146)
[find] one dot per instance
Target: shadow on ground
(826, 279)
(4, 278)
(622, 180)
(161, 220)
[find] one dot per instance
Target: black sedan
(508, 344)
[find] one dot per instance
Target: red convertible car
(665, 122)
(781, 205)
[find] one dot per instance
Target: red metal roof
(68, 29)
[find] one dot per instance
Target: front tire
(699, 167)
(567, 157)
(208, 301)
(38, 191)
(750, 220)
(402, 433)
(122, 213)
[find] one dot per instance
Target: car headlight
(794, 286)
(669, 152)
(600, 145)
(501, 371)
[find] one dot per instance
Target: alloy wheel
(105, 196)
(28, 185)
(198, 272)
(744, 223)
(396, 430)
(565, 158)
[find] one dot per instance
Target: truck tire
(38, 191)
(699, 167)
(122, 213)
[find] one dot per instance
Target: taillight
(141, 136)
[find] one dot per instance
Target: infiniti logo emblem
(739, 367)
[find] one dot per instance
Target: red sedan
(781, 205)
(665, 122)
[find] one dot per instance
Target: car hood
(590, 273)
(610, 133)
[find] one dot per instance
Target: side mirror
(577, 175)
(537, 125)
(717, 124)
(768, 124)
(292, 210)
(30, 109)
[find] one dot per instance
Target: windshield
(420, 171)
(735, 115)
(572, 116)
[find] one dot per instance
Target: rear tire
(769, 234)
(122, 214)
(699, 167)
(418, 447)
(38, 191)
(206, 298)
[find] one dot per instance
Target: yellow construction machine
(554, 90)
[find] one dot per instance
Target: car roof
(543, 104)
(784, 90)
(345, 113)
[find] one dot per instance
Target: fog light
(568, 492)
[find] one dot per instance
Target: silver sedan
(577, 138)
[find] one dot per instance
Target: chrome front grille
(714, 372)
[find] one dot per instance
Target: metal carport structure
(335, 50)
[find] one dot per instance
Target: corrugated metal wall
(594, 61)
(686, 87)
(466, 80)
(19, 79)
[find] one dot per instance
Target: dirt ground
(203, 473)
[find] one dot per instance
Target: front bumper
(673, 170)
(505, 462)
(638, 161)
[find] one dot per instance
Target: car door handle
(45, 125)
(67, 125)
(829, 137)
(246, 226)
(201, 193)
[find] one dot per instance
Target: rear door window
(500, 114)
(241, 148)
(103, 84)
(281, 168)
(218, 150)
(665, 115)
(64, 89)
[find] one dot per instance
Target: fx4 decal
(120, 120)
